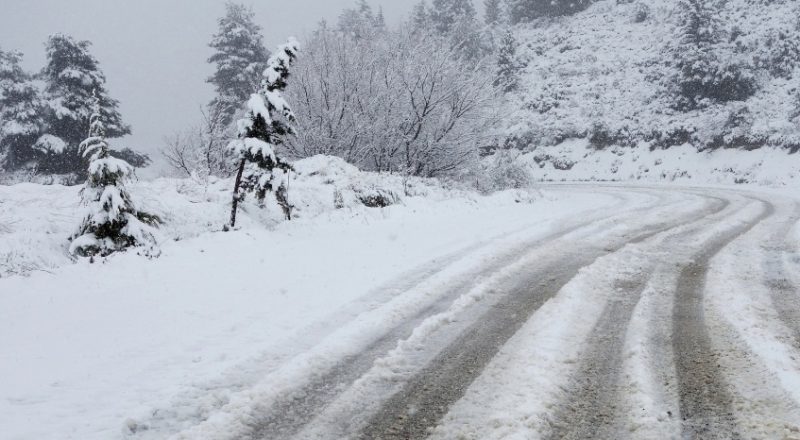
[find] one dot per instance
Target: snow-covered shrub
(112, 222)
(640, 12)
(376, 197)
(503, 171)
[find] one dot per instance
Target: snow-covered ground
(199, 342)
(98, 351)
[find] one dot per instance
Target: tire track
(593, 408)
(784, 293)
(286, 416)
(706, 404)
(426, 398)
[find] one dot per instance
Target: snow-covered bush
(112, 222)
(502, 171)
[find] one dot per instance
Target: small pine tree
(507, 64)
(239, 56)
(112, 222)
(21, 120)
(267, 123)
(492, 12)
(73, 77)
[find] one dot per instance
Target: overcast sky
(154, 52)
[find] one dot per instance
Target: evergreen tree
(268, 122)
(72, 76)
(421, 17)
(507, 64)
(446, 14)
(21, 120)
(239, 56)
(705, 69)
(380, 20)
(527, 10)
(361, 22)
(492, 12)
(112, 222)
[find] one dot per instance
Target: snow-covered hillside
(603, 73)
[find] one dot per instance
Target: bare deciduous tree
(201, 151)
(398, 102)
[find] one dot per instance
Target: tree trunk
(236, 193)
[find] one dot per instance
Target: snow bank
(36, 220)
(575, 160)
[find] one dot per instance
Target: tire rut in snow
(289, 414)
(784, 293)
(706, 405)
(426, 398)
(592, 409)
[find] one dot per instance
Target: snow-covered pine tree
(507, 64)
(21, 120)
(526, 10)
(239, 57)
(112, 222)
(446, 14)
(492, 12)
(268, 121)
(73, 77)
(361, 22)
(706, 70)
(420, 17)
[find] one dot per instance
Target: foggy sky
(154, 52)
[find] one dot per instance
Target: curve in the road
(288, 414)
(426, 398)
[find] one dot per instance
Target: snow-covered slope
(601, 75)
(602, 72)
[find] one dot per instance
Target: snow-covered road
(639, 312)
(670, 315)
